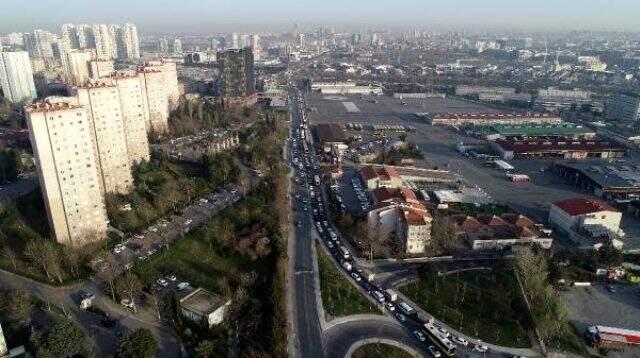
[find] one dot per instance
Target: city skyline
(192, 16)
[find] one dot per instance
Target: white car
(434, 351)
(390, 306)
(183, 286)
(162, 282)
(171, 277)
(419, 336)
(127, 303)
(480, 348)
(461, 341)
(188, 222)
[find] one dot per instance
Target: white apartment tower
(77, 66)
(16, 76)
(128, 41)
(170, 72)
(100, 68)
(70, 36)
(133, 100)
(68, 171)
(102, 101)
(255, 44)
(157, 99)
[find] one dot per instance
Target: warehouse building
(461, 119)
(606, 181)
(507, 131)
(559, 149)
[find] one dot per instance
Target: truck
(390, 295)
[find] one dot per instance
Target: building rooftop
(581, 206)
(492, 116)
(202, 301)
(330, 133)
(541, 130)
(558, 145)
(384, 172)
(47, 106)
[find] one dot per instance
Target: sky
(205, 16)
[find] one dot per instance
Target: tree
(138, 344)
(10, 255)
(609, 256)
(16, 306)
(108, 272)
(128, 286)
(205, 349)
(65, 339)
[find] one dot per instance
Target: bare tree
(109, 272)
(128, 286)
(10, 255)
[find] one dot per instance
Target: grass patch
(570, 341)
(380, 350)
(483, 304)
(339, 296)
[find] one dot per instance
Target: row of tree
(548, 309)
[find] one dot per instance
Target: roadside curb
(390, 342)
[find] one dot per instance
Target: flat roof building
(560, 149)
(204, 306)
(604, 180)
(460, 119)
(504, 131)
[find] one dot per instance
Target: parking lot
(596, 305)
(157, 237)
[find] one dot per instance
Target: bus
(443, 343)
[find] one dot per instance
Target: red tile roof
(581, 206)
(368, 172)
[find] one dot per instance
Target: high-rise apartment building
(39, 44)
(235, 40)
(176, 46)
(163, 45)
(237, 73)
(157, 99)
(127, 42)
(100, 68)
(16, 76)
(622, 107)
(85, 36)
(61, 137)
(105, 41)
(102, 102)
(77, 67)
(170, 72)
(133, 101)
(70, 36)
(255, 45)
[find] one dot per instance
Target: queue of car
(386, 298)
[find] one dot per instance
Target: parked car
(434, 351)
(85, 295)
(162, 282)
(461, 341)
(419, 335)
(480, 348)
(183, 286)
(171, 277)
(402, 318)
(127, 303)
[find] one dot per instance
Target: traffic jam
(437, 339)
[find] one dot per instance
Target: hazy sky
(202, 16)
